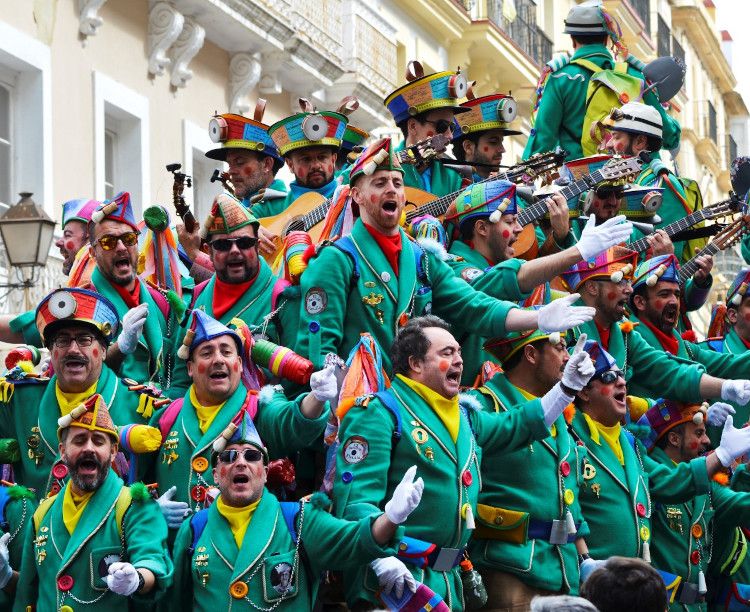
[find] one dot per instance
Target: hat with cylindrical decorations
(238, 132)
(590, 18)
(380, 155)
(667, 414)
(227, 215)
(615, 264)
(491, 199)
(73, 305)
(493, 112)
(504, 348)
(601, 359)
(738, 288)
(203, 328)
(118, 208)
(79, 210)
(659, 268)
(241, 430)
(92, 415)
(310, 128)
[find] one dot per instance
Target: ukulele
(182, 180)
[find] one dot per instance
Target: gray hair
(561, 603)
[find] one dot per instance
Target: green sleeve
(732, 507)
(500, 281)
(180, 594)
(741, 479)
(18, 513)
(284, 428)
(721, 365)
(505, 432)
(27, 589)
(25, 324)
(544, 135)
(674, 485)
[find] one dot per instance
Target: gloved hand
(737, 391)
(579, 369)
(6, 571)
(174, 512)
(323, 384)
(596, 239)
(589, 566)
(132, 328)
(406, 496)
(734, 442)
(717, 413)
(393, 574)
(122, 578)
(560, 315)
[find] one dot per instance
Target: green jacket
(532, 481)
(19, 507)
(336, 306)
(436, 179)
(371, 462)
(559, 119)
(84, 555)
(273, 198)
(617, 499)
(326, 542)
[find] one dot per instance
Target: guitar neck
(316, 215)
(641, 245)
(691, 267)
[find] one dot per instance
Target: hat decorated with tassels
(666, 414)
(241, 430)
(659, 268)
(238, 132)
(378, 156)
(615, 264)
(738, 288)
(79, 210)
(424, 93)
(491, 199)
(504, 348)
(92, 415)
(203, 328)
(601, 359)
(118, 208)
(493, 112)
(310, 128)
(74, 305)
(227, 215)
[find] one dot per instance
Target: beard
(248, 273)
(88, 483)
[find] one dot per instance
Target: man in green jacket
(97, 543)
(248, 550)
(418, 420)
(377, 278)
(734, 324)
(16, 507)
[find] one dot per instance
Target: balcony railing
(523, 30)
(677, 50)
(663, 37)
(642, 8)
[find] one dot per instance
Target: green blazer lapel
(373, 259)
(407, 275)
(601, 453)
(221, 420)
(153, 331)
(107, 385)
(733, 344)
(95, 514)
(190, 426)
(633, 471)
(264, 524)
(617, 344)
(49, 412)
(222, 538)
(58, 533)
(469, 255)
(465, 442)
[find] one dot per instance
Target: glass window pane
(5, 186)
(4, 114)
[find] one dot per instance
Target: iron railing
(677, 50)
(663, 37)
(523, 30)
(642, 8)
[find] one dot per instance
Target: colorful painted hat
(504, 348)
(310, 128)
(238, 132)
(203, 328)
(227, 215)
(378, 156)
(602, 360)
(118, 208)
(491, 199)
(666, 414)
(241, 430)
(738, 288)
(92, 415)
(638, 201)
(79, 210)
(71, 304)
(493, 112)
(659, 268)
(425, 93)
(576, 169)
(615, 264)
(635, 118)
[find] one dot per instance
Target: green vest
(437, 179)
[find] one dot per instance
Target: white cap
(636, 118)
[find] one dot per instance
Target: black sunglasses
(441, 125)
(225, 244)
(610, 376)
(250, 455)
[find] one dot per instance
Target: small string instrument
(182, 180)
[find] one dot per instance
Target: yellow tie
(205, 414)
(446, 409)
(238, 518)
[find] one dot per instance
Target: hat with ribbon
(738, 288)
(241, 430)
(615, 264)
(92, 415)
(504, 348)
(666, 414)
(423, 93)
(601, 359)
(238, 132)
(118, 208)
(380, 155)
(491, 199)
(79, 210)
(73, 305)
(493, 112)
(203, 328)
(659, 268)
(310, 128)
(227, 215)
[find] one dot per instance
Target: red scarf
(390, 245)
(745, 342)
(227, 294)
(604, 333)
(131, 298)
(668, 342)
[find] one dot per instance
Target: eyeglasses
(82, 340)
(250, 455)
(610, 376)
(109, 241)
(605, 192)
(225, 244)
(441, 125)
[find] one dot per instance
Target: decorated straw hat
(491, 199)
(423, 93)
(227, 215)
(238, 132)
(504, 348)
(380, 155)
(92, 415)
(659, 268)
(241, 430)
(118, 208)
(738, 288)
(666, 414)
(310, 128)
(493, 112)
(74, 305)
(615, 264)
(79, 210)
(203, 328)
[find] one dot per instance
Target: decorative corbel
(244, 74)
(164, 26)
(184, 50)
(88, 16)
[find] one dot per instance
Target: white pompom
(616, 277)
(495, 216)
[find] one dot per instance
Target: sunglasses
(605, 192)
(250, 455)
(225, 244)
(441, 125)
(109, 241)
(610, 376)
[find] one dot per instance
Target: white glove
(579, 369)
(718, 413)
(122, 579)
(174, 512)
(406, 496)
(393, 574)
(596, 239)
(323, 384)
(560, 315)
(734, 442)
(6, 571)
(132, 328)
(737, 391)
(589, 566)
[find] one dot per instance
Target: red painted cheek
(659, 304)
(430, 134)
(374, 198)
(236, 366)
(506, 233)
(606, 391)
(201, 368)
(746, 316)
(611, 296)
(486, 149)
(444, 365)
(55, 353)
(693, 445)
(95, 352)
(222, 471)
(69, 245)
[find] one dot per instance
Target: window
(6, 150)
(204, 191)
(110, 148)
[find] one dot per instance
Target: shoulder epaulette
(139, 492)
(628, 326)
(17, 491)
(17, 377)
(149, 397)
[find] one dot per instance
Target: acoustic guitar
(728, 236)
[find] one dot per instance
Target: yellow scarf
(205, 414)
(73, 507)
(68, 401)
(238, 518)
(446, 409)
(529, 396)
(611, 436)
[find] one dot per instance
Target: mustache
(75, 359)
(87, 457)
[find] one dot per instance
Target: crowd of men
(384, 405)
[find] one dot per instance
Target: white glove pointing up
(560, 315)
(323, 384)
(132, 328)
(578, 371)
(596, 239)
(406, 496)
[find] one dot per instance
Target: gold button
(569, 496)
(238, 589)
(200, 464)
(645, 533)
